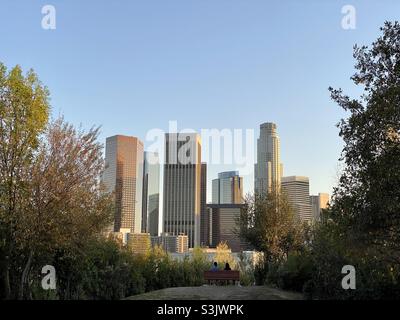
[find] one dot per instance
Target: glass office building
(123, 176)
(151, 193)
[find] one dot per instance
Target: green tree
(268, 223)
(367, 198)
(362, 225)
(24, 111)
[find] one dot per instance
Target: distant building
(204, 216)
(182, 185)
(151, 193)
(123, 176)
(228, 188)
(268, 170)
(171, 243)
(318, 203)
(139, 243)
(297, 189)
(224, 225)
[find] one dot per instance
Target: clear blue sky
(131, 66)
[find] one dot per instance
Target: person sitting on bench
(227, 267)
(214, 266)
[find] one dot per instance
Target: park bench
(223, 276)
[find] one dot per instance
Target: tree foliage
(223, 255)
(52, 201)
(24, 112)
(363, 222)
(367, 197)
(269, 224)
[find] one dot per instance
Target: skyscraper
(204, 216)
(228, 188)
(182, 185)
(268, 170)
(297, 190)
(151, 193)
(123, 176)
(318, 203)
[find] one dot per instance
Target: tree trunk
(5, 272)
(7, 286)
(24, 276)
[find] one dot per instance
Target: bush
(295, 272)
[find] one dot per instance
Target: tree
(366, 201)
(362, 224)
(24, 111)
(223, 255)
(66, 205)
(269, 224)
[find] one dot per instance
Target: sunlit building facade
(318, 203)
(123, 176)
(268, 170)
(139, 243)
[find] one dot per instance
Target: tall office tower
(318, 203)
(297, 189)
(182, 186)
(123, 176)
(268, 170)
(204, 216)
(151, 193)
(228, 188)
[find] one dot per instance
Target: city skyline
(185, 206)
(268, 138)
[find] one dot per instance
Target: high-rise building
(224, 225)
(151, 193)
(268, 170)
(297, 190)
(204, 216)
(123, 176)
(182, 186)
(318, 203)
(228, 188)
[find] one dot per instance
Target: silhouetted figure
(214, 267)
(227, 267)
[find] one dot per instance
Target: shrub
(295, 272)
